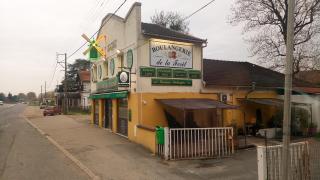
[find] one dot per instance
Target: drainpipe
(203, 46)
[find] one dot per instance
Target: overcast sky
(31, 32)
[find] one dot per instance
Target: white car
(1, 102)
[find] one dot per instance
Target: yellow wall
(148, 112)
(114, 115)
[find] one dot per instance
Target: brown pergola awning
(193, 104)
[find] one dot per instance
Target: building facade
(152, 76)
(147, 74)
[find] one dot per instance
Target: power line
(105, 22)
(198, 10)
(101, 11)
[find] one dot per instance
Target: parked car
(43, 105)
(51, 111)
(1, 102)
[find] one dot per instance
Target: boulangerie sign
(170, 55)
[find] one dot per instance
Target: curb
(65, 152)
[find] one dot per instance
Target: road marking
(64, 151)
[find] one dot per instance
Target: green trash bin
(160, 135)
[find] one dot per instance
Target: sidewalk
(113, 157)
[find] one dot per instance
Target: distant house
(83, 79)
(258, 92)
(77, 94)
(312, 76)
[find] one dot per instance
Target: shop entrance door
(96, 112)
(108, 114)
(123, 116)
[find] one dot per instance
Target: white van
(1, 102)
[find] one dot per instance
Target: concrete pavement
(113, 157)
(26, 154)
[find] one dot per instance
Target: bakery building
(151, 76)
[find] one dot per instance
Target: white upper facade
(155, 62)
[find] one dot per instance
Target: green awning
(111, 95)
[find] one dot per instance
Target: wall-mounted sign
(147, 72)
(94, 50)
(171, 82)
(164, 72)
(123, 79)
(129, 59)
(170, 55)
(194, 74)
(180, 73)
(112, 66)
(108, 85)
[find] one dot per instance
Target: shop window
(94, 74)
(129, 59)
(105, 69)
(123, 116)
(100, 72)
(112, 67)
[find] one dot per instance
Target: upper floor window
(129, 59)
(112, 67)
(105, 69)
(100, 72)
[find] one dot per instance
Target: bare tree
(266, 23)
(22, 96)
(31, 96)
(171, 20)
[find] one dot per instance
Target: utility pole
(65, 102)
(65, 83)
(45, 91)
(41, 95)
(287, 91)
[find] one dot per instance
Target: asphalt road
(25, 154)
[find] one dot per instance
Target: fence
(269, 162)
(314, 150)
(195, 143)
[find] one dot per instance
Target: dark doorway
(258, 117)
(108, 114)
(123, 116)
(96, 112)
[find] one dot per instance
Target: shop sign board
(164, 72)
(123, 79)
(107, 85)
(180, 73)
(194, 74)
(147, 72)
(171, 82)
(173, 55)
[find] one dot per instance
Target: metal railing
(270, 157)
(195, 143)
